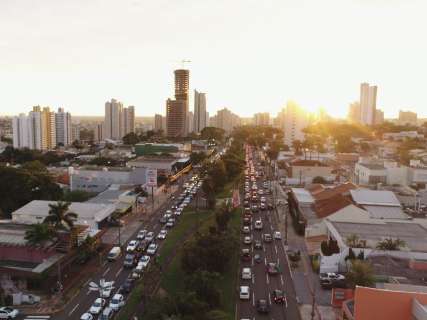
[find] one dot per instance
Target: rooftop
(372, 166)
(308, 163)
(336, 190)
(374, 197)
(302, 195)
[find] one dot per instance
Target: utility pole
(313, 303)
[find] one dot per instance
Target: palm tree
(390, 244)
(360, 274)
(352, 241)
(58, 216)
(39, 233)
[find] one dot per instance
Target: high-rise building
(408, 117)
(177, 110)
(296, 119)
(368, 103)
(128, 120)
(97, 132)
(176, 118)
(113, 120)
(226, 120)
(22, 131)
(63, 127)
(354, 112)
(262, 119)
(190, 121)
(199, 111)
(75, 132)
(158, 122)
(379, 116)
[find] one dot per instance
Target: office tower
(407, 117)
(296, 119)
(128, 120)
(190, 121)
(176, 118)
(97, 132)
(379, 116)
(199, 111)
(113, 120)
(177, 110)
(354, 112)
(262, 119)
(63, 127)
(368, 103)
(158, 122)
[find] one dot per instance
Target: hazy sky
(250, 56)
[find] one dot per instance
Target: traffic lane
(111, 271)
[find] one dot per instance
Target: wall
(310, 172)
(25, 253)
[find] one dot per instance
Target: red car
(279, 296)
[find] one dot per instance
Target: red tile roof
(331, 192)
(326, 207)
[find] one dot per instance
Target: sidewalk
(304, 278)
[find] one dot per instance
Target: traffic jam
(262, 284)
(138, 254)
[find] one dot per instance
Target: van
(114, 253)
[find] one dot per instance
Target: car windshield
(97, 304)
(115, 301)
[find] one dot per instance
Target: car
(8, 313)
(162, 234)
(144, 260)
(129, 261)
(279, 296)
(246, 274)
(106, 291)
(246, 229)
(246, 255)
(170, 223)
(254, 208)
(106, 314)
(258, 244)
(261, 192)
(152, 248)
(262, 306)
(247, 221)
(97, 306)
(114, 253)
(263, 206)
(244, 293)
(86, 316)
(277, 235)
(267, 238)
(247, 240)
(257, 258)
(163, 220)
(258, 224)
(141, 234)
(331, 276)
(254, 199)
(150, 236)
(270, 206)
(169, 212)
(117, 302)
(272, 268)
(139, 268)
(128, 285)
(132, 245)
(263, 199)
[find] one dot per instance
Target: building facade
(63, 127)
(296, 119)
(368, 103)
(262, 119)
(200, 115)
(176, 118)
(408, 117)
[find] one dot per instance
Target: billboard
(151, 177)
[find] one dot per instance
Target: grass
(132, 302)
(227, 191)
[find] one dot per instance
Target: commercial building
(144, 149)
(368, 103)
(408, 117)
(262, 119)
(296, 119)
(199, 111)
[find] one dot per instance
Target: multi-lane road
(262, 284)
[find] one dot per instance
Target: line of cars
(139, 254)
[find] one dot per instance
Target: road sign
(151, 177)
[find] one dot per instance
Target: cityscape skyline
(65, 64)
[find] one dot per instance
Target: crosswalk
(37, 317)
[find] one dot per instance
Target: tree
(39, 233)
(390, 244)
(360, 274)
(218, 175)
(197, 157)
(216, 315)
(59, 217)
(87, 248)
(353, 241)
(297, 145)
(209, 191)
(212, 134)
(222, 217)
(319, 179)
(351, 256)
(205, 285)
(34, 166)
(131, 138)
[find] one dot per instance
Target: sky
(249, 56)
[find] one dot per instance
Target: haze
(250, 56)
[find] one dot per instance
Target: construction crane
(183, 62)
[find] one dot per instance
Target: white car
(8, 313)
(246, 274)
(141, 234)
(150, 236)
(106, 292)
(152, 248)
(277, 235)
(162, 234)
(132, 245)
(244, 293)
(258, 224)
(246, 229)
(117, 302)
(86, 316)
(247, 240)
(144, 261)
(97, 306)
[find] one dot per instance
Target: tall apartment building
(22, 132)
(368, 103)
(75, 132)
(379, 116)
(118, 121)
(190, 121)
(408, 117)
(158, 122)
(97, 132)
(354, 112)
(226, 120)
(262, 119)
(128, 119)
(200, 115)
(63, 127)
(177, 110)
(296, 119)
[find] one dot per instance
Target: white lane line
(278, 261)
(252, 262)
(286, 303)
(88, 292)
(118, 272)
(281, 280)
(253, 299)
(265, 261)
(275, 248)
(268, 279)
(106, 271)
(253, 279)
(269, 299)
(74, 309)
(86, 283)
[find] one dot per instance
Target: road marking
(286, 303)
(253, 279)
(74, 309)
(253, 299)
(269, 299)
(86, 283)
(278, 262)
(265, 261)
(106, 271)
(252, 262)
(118, 272)
(281, 280)
(268, 279)
(275, 248)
